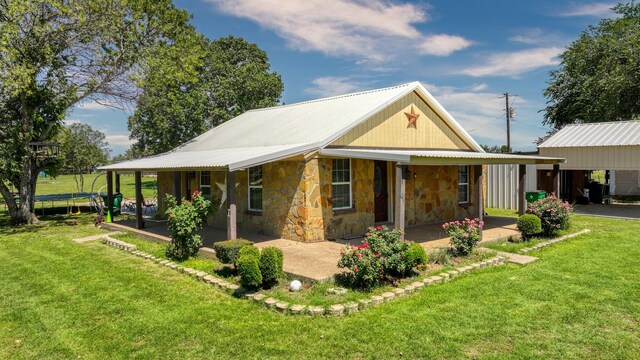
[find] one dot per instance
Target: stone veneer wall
(165, 186)
(432, 195)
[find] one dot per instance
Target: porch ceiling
(439, 157)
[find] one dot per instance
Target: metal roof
(264, 135)
(616, 133)
(231, 158)
(437, 157)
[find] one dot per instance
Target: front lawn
(59, 299)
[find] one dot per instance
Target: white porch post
(232, 232)
(399, 208)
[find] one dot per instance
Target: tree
(83, 148)
(599, 77)
(496, 149)
(55, 54)
(234, 77)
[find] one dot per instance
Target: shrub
(464, 234)
(441, 256)
(381, 255)
(529, 225)
(553, 213)
(271, 265)
(249, 250)
(249, 270)
(416, 256)
(229, 250)
(185, 220)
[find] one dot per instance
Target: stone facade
(297, 198)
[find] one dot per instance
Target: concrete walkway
(517, 258)
(616, 211)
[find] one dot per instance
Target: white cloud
(333, 85)
(516, 62)
(597, 9)
(373, 30)
(97, 105)
(119, 140)
(537, 36)
(479, 87)
(68, 122)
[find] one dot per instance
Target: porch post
(556, 179)
(399, 207)
(109, 196)
(522, 183)
(177, 185)
(117, 182)
(139, 219)
(477, 174)
(232, 232)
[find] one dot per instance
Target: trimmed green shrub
(529, 225)
(416, 255)
(249, 271)
(271, 265)
(441, 256)
(553, 213)
(228, 251)
(249, 250)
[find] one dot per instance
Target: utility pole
(508, 115)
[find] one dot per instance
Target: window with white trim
(255, 188)
(463, 184)
(341, 184)
(205, 183)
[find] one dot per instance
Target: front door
(380, 191)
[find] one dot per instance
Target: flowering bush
(464, 234)
(381, 255)
(553, 212)
(185, 220)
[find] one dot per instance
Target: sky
(466, 52)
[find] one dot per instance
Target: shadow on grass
(47, 221)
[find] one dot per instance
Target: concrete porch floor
(318, 261)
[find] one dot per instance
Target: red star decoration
(412, 117)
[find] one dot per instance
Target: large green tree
(235, 76)
(599, 77)
(83, 148)
(55, 54)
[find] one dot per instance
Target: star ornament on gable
(412, 117)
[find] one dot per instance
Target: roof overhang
(220, 159)
(439, 157)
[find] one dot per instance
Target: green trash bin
(533, 196)
(117, 203)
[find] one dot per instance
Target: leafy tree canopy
(599, 77)
(496, 149)
(55, 54)
(234, 77)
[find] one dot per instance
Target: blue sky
(466, 52)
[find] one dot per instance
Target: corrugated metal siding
(596, 158)
(503, 185)
(617, 133)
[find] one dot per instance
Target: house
(330, 168)
(611, 146)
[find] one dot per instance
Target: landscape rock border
(309, 310)
(544, 244)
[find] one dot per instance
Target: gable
(389, 129)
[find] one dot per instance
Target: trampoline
(62, 197)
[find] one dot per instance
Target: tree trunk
(22, 211)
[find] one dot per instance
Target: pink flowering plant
(464, 234)
(553, 213)
(185, 220)
(381, 256)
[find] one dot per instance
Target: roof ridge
(604, 122)
(336, 97)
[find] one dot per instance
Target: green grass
(501, 212)
(60, 299)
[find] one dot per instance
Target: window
(341, 184)
(463, 184)
(255, 188)
(205, 183)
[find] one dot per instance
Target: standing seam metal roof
(616, 133)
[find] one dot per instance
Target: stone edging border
(297, 309)
(543, 244)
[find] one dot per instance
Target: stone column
(400, 198)
(556, 179)
(138, 185)
(522, 184)
(232, 231)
